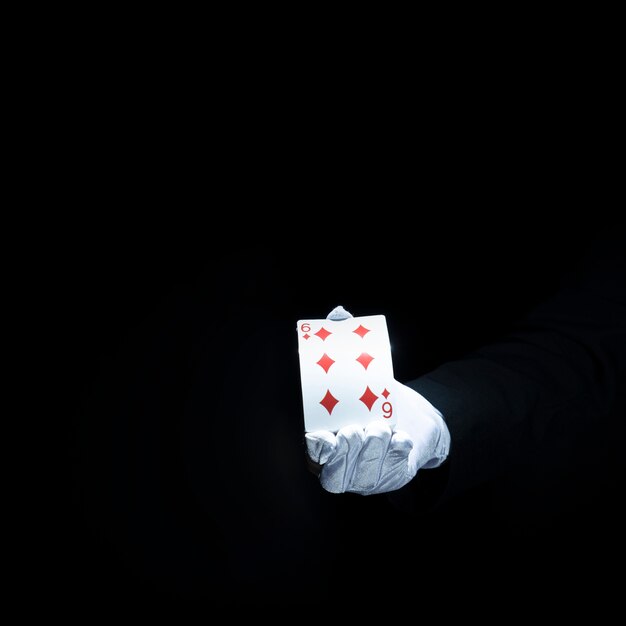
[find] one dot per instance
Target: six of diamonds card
(346, 372)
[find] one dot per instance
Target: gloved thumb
(338, 314)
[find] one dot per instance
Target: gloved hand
(377, 458)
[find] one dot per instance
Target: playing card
(346, 372)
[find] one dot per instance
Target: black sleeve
(553, 388)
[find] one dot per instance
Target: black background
(186, 204)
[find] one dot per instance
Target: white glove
(377, 459)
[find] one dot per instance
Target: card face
(346, 372)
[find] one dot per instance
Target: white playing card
(346, 372)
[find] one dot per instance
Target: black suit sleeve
(553, 388)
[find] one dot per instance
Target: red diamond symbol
(329, 402)
(385, 393)
(306, 336)
(325, 362)
(368, 398)
(361, 331)
(365, 359)
(322, 333)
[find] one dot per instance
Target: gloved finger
(338, 314)
(368, 466)
(320, 444)
(395, 470)
(337, 471)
